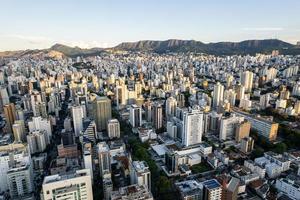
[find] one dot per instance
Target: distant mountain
(219, 48)
(76, 51)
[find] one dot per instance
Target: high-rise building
(264, 101)
(218, 95)
(104, 158)
(297, 107)
(180, 98)
(101, 112)
(10, 116)
(71, 186)
(107, 188)
(230, 96)
(90, 130)
(113, 128)
(37, 141)
(4, 98)
(11, 153)
(212, 190)
(247, 144)
(20, 180)
(192, 127)
(39, 124)
(171, 105)
(247, 80)
(135, 115)
(140, 174)
(242, 130)
(19, 131)
(77, 116)
(228, 126)
(172, 129)
(240, 92)
(264, 127)
(157, 116)
(87, 158)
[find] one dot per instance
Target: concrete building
(10, 116)
(77, 185)
(264, 100)
(101, 112)
(140, 192)
(135, 115)
(192, 127)
(247, 144)
(140, 174)
(247, 80)
(242, 130)
(228, 126)
(157, 116)
(107, 188)
(40, 124)
(37, 141)
(17, 153)
(113, 128)
(20, 180)
(230, 187)
(171, 105)
(212, 190)
(218, 95)
(189, 189)
(104, 158)
(90, 130)
(77, 116)
(288, 187)
(19, 131)
(265, 128)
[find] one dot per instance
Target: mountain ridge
(174, 45)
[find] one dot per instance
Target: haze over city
(40, 24)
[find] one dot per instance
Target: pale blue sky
(103, 23)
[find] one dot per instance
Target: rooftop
(211, 184)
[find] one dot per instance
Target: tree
(280, 148)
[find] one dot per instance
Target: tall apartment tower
(113, 128)
(102, 112)
(247, 144)
(171, 105)
(104, 158)
(18, 129)
(20, 180)
(135, 115)
(37, 141)
(10, 116)
(247, 80)
(218, 95)
(157, 116)
(77, 116)
(192, 127)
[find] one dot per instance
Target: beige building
(242, 130)
(75, 186)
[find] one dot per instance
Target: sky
(37, 24)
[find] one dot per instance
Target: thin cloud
(263, 29)
(47, 41)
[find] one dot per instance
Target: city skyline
(39, 25)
